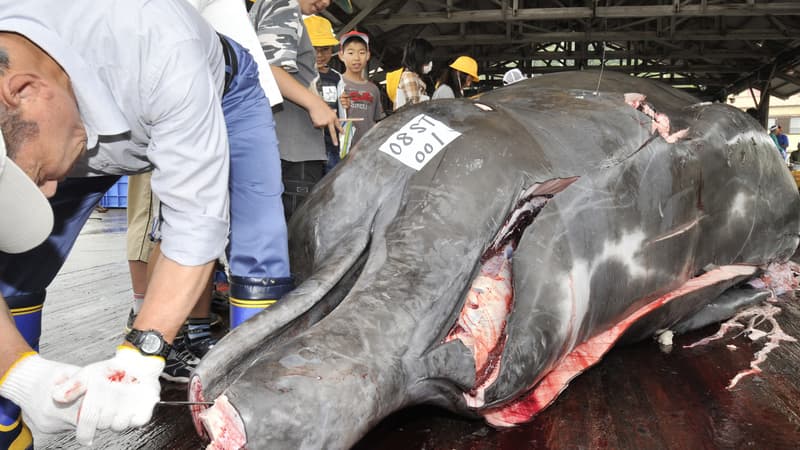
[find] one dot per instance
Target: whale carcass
(477, 254)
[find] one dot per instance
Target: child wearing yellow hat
(458, 75)
(320, 32)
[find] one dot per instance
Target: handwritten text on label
(418, 141)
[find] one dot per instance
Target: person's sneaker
(180, 363)
(219, 297)
(214, 319)
(197, 335)
(201, 346)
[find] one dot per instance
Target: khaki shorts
(142, 208)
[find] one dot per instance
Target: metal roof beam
(579, 13)
(541, 55)
(567, 36)
(781, 64)
(640, 68)
(353, 23)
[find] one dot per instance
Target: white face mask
(426, 69)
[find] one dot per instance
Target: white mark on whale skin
(474, 165)
(738, 206)
(623, 250)
(576, 285)
(296, 360)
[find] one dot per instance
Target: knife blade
(183, 403)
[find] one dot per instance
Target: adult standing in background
(774, 135)
(783, 141)
(285, 42)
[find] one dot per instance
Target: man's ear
(17, 88)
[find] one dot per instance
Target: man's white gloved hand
(118, 393)
(30, 383)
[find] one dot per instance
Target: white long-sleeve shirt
(148, 76)
(230, 18)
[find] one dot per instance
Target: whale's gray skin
(385, 254)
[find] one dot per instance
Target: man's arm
(279, 27)
(172, 291)
(321, 114)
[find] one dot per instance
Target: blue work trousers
(258, 240)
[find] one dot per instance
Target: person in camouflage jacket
(285, 42)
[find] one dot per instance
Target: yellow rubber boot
(15, 435)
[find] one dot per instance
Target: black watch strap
(149, 342)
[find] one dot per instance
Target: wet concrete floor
(638, 397)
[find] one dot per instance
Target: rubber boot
(248, 296)
(26, 310)
(15, 435)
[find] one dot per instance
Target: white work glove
(118, 393)
(30, 384)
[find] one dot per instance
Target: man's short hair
(16, 130)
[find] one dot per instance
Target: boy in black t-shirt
(321, 35)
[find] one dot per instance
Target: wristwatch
(149, 342)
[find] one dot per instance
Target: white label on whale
(418, 141)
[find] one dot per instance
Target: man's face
(324, 55)
(309, 7)
(48, 155)
(779, 131)
(354, 55)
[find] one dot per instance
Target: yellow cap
(467, 65)
(392, 81)
(320, 31)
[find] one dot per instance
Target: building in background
(785, 113)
